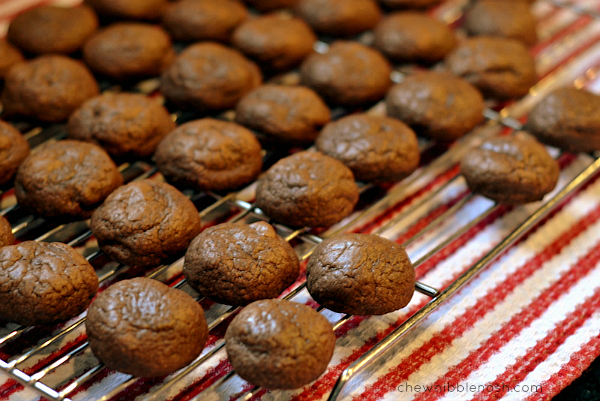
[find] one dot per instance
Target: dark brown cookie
(129, 50)
(419, 4)
(6, 236)
(283, 113)
(52, 29)
(48, 88)
(43, 283)
(236, 264)
(339, 17)
(360, 274)
(307, 189)
(348, 74)
(510, 170)
(129, 9)
(66, 180)
(143, 327)
(209, 154)
(276, 343)
(436, 105)
(208, 76)
(500, 68)
(567, 118)
(375, 148)
(276, 41)
(9, 56)
(196, 20)
(503, 18)
(414, 37)
(269, 5)
(124, 124)
(145, 223)
(14, 148)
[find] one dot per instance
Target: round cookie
(279, 344)
(143, 327)
(236, 264)
(414, 37)
(507, 19)
(66, 179)
(437, 105)
(339, 17)
(124, 124)
(360, 274)
(567, 118)
(500, 68)
(129, 9)
(145, 223)
(419, 4)
(51, 29)
(6, 236)
(307, 189)
(270, 5)
(196, 20)
(209, 154)
(511, 170)
(375, 148)
(275, 41)
(349, 74)
(208, 77)
(283, 113)
(44, 283)
(48, 88)
(9, 56)
(14, 148)
(129, 50)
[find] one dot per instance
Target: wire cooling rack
(569, 53)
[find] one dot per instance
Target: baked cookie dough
(14, 148)
(129, 9)
(339, 17)
(9, 56)
(6, 236)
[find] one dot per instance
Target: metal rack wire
(236, 207)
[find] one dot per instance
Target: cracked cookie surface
(279, 344)
(44, 283)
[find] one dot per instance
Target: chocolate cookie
(283, 113)
(52, 29)
(507, 19)
(436, 105)
(510, 170)
(348, 74)
(567, 118)
(276, 41)
(9, 56)
(375, 148)
(269, 5)
(143, 327)
(276, 343)
(6, 236)
(129, 50)
(196, 20)
(129, 9)
(124, 124)
(499, 67)
(209, 76)
(48, 88)
(307, 189)
(410, 3)
(44, 283)
(66, 179)
(14, 148)
(339, 17)
(209, 154)
(236, 264)
(145, 223)
(414, 37)
(360, 274)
